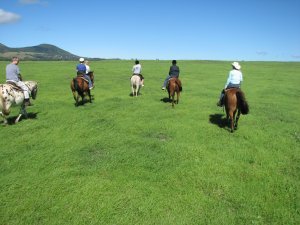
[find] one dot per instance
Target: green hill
(39, 52)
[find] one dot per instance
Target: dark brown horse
(174, 86)
(80, 87)
(235, 104)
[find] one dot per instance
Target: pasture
(137, 160)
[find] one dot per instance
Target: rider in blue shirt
(81, 70)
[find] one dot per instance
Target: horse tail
(75, 83)
(243, 104)
(178, 82)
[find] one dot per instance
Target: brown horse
(80, 87)
(174, 86)
(235, 104)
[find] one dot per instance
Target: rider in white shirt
(234, 80)
(136, 70)
(87, 66)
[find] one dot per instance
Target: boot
(220, 103)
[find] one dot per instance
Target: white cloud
(8, 17)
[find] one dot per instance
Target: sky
(250, 30)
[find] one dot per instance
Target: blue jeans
(167, 79)
(230, 85)
(89, 80)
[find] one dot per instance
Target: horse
(235, 104)
(174, 86)
(12, 95)
(80, 87)
(135, 84)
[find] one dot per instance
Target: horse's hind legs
(230, 120)
(74, 95)
(173, 100)
(4, 118)
(77, 100)
(236, 121)
(231, 124)
(22, 112)
(178, 94)
(18, 118)
(90, 97)
(236, 124)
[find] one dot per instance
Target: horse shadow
(84, 101)
(166, 100)
(131, 95)
(11, 120)
(218, 120)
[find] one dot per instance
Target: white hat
(81, 60)
(236, 65)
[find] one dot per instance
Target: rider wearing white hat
(234, 80)
(81, 70)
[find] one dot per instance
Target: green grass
(127, 160)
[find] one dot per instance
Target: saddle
(138, 74)
(82, 77)
(14, 86)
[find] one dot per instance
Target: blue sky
(267, 30)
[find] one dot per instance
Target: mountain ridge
(38, 52)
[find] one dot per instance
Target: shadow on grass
(131, 95)
(11, 120)
(166, 100)
(85, 100)
(218, 120)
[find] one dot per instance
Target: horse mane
(243, 104)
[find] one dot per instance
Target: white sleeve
(228, 80)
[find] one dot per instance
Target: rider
(87, 66)
(136, 70)
(81, 70)
(234, 80)
(173, 72)
(13, 75)
(88, 70)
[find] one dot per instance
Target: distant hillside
(39, 52)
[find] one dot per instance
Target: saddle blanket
(14, 85)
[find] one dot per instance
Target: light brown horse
(174, 86)
(235, 104)
(135, 82)
(80, 87)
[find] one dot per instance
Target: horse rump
(243, 104)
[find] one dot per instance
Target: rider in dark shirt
(173, 72)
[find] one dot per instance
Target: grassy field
(127, 160)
